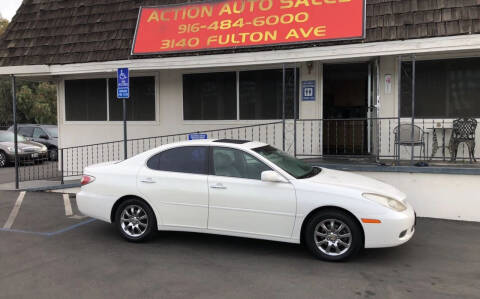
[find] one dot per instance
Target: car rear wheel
(333, 235)
(135, 220)
(53, 154)
(3, 159)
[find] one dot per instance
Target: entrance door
(345, 109)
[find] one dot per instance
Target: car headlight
(44, 148)
(12, 149)
(386, 201)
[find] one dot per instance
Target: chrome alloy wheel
(3, 159)
(134, 221)
(333, 237)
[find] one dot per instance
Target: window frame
(211, 165)
(238, 104)
(179, 147)
(106, 77)
(408, 115)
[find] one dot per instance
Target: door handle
(148, 181)
(218, 186)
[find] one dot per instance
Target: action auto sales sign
(246, 23)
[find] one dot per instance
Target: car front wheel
(3, 159)
(333, 235)
(135, 220)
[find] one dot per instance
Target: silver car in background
(28, 151)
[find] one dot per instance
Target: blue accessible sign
(123, 83)
(308, 90)
(197, 136)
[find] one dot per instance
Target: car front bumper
(28, 157)
(395, 229)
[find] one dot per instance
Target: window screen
(443, 88)
(261, 94)
(189, 159)
(85, 100)
(140, 105)
(211, 96)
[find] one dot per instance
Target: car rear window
(188, 159)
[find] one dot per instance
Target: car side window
(37, 132)
(187, 159)
(26, 131)
(236, 163)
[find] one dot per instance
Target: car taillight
(87, 179)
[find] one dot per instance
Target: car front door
(175, 182)
(37, 133)
(241, 202)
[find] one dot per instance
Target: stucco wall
(443, 196)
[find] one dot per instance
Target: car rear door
(175, 182)
(241, 202)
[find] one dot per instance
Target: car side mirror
(273, 177)
(44, 137)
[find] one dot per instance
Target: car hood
(355, 181)
(21, 145)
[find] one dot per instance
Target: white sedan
(246, 189)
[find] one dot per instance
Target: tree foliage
(36, 101)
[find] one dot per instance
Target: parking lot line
(15, 210)
(68, 205)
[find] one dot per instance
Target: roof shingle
(80, 31)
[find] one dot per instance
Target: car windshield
(291, 165)
(8, 137)
(52, 131)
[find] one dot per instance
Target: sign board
(308, 90)
(240, 23)
(197, 136)
(123, 84)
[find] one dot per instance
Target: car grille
(30, 149)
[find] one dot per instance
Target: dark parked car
(44, 134)
(28, 151)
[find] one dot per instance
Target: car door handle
(218, 186)
(148, 181)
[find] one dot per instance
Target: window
(235, 163)
(210, 96)
(37, 132)
(443, 88)
(261, 94)
(26, 131)
(140, 105)
(213, 96)
(85, 100)
(188, 159)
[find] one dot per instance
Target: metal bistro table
(435, 146)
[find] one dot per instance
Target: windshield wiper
(312, 173)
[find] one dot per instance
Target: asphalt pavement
(50, 250)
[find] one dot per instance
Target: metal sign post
(15, 129)
(123, 92)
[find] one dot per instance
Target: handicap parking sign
(123, 83)
(308, 90)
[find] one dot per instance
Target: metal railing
(72, 160)
(371, 139)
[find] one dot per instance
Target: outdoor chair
(404, 137)
(463, 131)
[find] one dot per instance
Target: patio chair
(463, 131)
(403, 137)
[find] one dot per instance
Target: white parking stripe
(15, 210)
(68, 205)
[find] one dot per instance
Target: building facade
(415, 62)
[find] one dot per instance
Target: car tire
(53, 154)
(135, 220)
(3, 159)
(333, 235)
